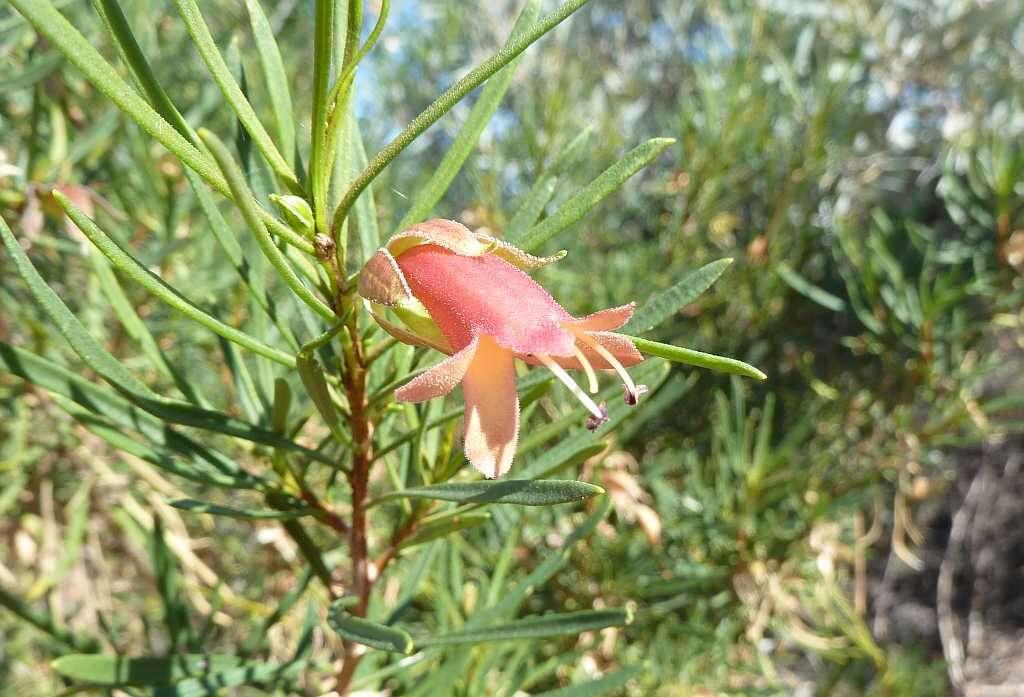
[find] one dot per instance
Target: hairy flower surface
(467, 294)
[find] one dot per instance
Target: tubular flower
(467, 295)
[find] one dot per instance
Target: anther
(631, 398)
(594, 422)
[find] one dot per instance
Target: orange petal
(492, 409)
(441, 379)
(605, 320)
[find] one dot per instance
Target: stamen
(632, 391)
(587, 368)
(597, 413)
(593, 423)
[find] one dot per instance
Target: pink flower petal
(621, 348)
(605, 320)
(440, 379)
(469, 296)
(492, 409)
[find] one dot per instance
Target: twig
(949, 623)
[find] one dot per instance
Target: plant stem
(361, 427)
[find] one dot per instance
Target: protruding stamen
(632, 392)
(593, 423)
(587, 368)
(584, 398)
(631, 398)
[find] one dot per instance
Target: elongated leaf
(77, 49)
(136, 328)
(452, 96)
(488, 102)
(194, 506)
(667, 303)
(97, 669)
(97, 358)
(94, 399)
(537, 198)
(365, 209)
(250, 212)
(193, 18)
(522, 492)
(512, 597)
(196, 469)
(445, 526)
(806, 288)
(368, 633)
(132, 268)
(592, 194)
(536, 627)
(32, 73)
(45, 622)
(214, 684)
(595, 688)
(577, 447)
(539, 195)
(275, 76)
(677, 354)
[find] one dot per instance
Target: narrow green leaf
(595, 688)
(539, 195)
(136, 328)
(198, 469)
(513, 596)
(447, 100)
(677, 354)
(323, 58)
(668, 302)
(114, 409)
(488, 102)
(366, 632)
(537, 198)
(574, 448)
(444, 526)
(592, 194)
(539, 627)
(806, 288)
(250, 211)
(32, 73)
(80, 52)
(203, 40)
(275, 76)
(522, 492)
(114, 372)
(233, 252)
(214, 509)
(132, 268)
(365, 209)
(214, 684)
(97, 669)
(131, 53)
(45, 622)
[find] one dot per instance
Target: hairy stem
(362, 457)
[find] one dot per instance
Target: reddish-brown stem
(361, 425)
(326, 514)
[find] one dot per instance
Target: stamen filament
(587, 368)
(612, 361)
(560, 373)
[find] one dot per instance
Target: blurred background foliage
(860, 162)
